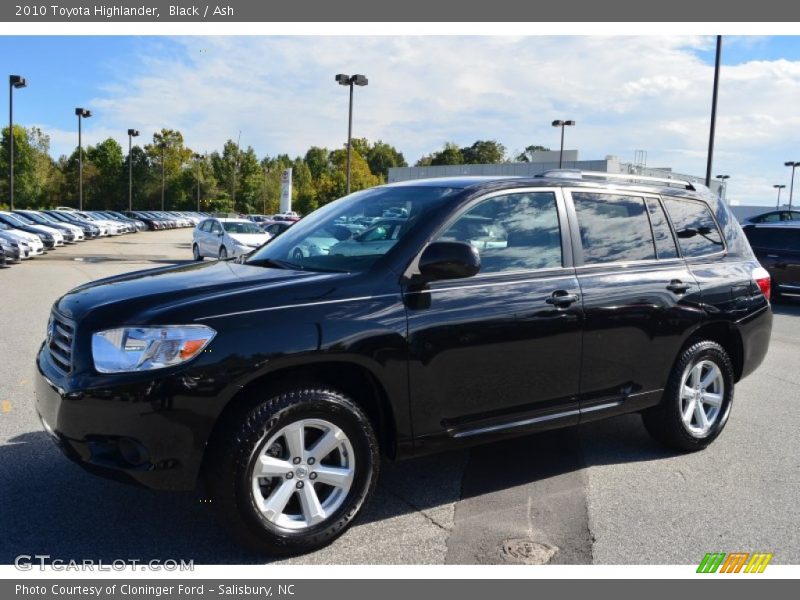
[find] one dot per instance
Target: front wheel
(290, 475)
(697, 400)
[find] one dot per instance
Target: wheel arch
(727, 335)
(351, 378)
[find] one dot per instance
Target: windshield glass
(352, 233)
(241, 227)
(14, 220)
(23, 219)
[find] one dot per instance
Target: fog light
(132, 451)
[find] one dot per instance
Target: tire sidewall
(329, 409)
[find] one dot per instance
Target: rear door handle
(677, 286)
(562, 298)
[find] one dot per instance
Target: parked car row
(25, 234)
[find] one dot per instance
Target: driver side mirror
(449, 260)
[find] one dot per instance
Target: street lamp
(132, 133)
(562, 124)
(793, 164)
(347, 80)
(14, 81)
(779, 188)
(724, 182)
(198, 158)
(82, 114)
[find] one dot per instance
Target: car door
(637, 298)
(213, 239)
(498, 352)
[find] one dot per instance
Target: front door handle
(562, 298)
(677, 286)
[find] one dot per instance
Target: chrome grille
(60, 335)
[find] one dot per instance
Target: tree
(35, 173)
(382, 156)
(484, 152)
(528, 154)
(170, 155)
(106, 187)
(449, 155)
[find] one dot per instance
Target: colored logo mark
(735, 562)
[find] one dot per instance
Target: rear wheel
(697, 400)
(196, 252)
(291, 474)
(223, 253)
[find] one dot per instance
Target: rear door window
(613, 227)
(698, 234)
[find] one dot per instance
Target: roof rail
(630, 177)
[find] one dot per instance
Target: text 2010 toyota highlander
(418, 317)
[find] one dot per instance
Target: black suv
(499, 307)
(777, 248)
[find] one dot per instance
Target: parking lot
(602, 493)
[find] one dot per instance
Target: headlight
(145, 348)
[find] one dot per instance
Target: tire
(244, 440)
(223, 253)
(666, 423)
(196, 253)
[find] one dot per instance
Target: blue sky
(627, 93)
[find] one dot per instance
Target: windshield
(24, 219)
(241, 227)
(352, 233)
(14, 221)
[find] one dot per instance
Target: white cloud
(626, 93)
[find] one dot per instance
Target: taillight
(762, 279)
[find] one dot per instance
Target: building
(545, 161)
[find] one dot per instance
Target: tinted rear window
(698, 234)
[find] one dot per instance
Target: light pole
(793, 164)
(132, 133)
(724, 181)
(713, 126)
(562, 124)
(163, 173)
(779, 188)
(347, 80)
(14, 81)
(82, 114)
(198, 158)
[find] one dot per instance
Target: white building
(545, 161)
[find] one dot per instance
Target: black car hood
(156, 290)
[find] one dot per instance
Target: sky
(627, 93)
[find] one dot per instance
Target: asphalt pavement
(602, 493)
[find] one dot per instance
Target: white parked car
(112, 227)
(224, 238)
(52, 236)
(40, 218)
(32, 240)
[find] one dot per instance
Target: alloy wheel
(702, 392)
(303, 473)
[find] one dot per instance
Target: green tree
(527, 154)
(35, 173)
(484, 152)
(106, 188)
(170, 156)
(382, 156)
(449, 155)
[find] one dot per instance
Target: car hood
(196, 289)
(249, 239)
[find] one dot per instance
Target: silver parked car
(223, 238)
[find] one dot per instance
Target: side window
(770, 218)
(662, 234)
(512, 232)
(613, 228)
(215, 227)
(697, 232)
(204, 226)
